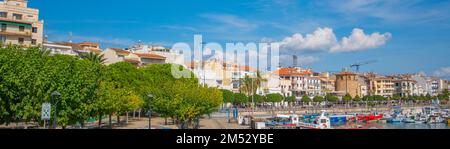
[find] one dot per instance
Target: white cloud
(358, 40)
(321, 39)
(392, 10)
(324, 39)
(301, 60)
(306, 60)
(443, 72)
(230, 20)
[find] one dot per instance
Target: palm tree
(246, 85)
(93, 57)
(250, 85)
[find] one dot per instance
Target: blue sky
(404, 36)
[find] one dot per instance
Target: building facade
(19, 24)
(347, 83)
(383, 86)
(405, 87)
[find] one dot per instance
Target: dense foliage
(89, 89)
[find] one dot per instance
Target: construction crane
(358, 65)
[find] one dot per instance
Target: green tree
(93, 57)
(275, 97)
(318, 99)
(258, 98)
(228, 96)
(306, 99)
(331, 98)
(357, 98)
(347, 98)
(240, 98)
(291, 99)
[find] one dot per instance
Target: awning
(15, 23)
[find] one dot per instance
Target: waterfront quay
(311, 110)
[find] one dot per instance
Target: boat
(433, 114)
(395, 120)
(323, 122)
(282, 120)
(338, 119)
(409, 120)
(396, 117)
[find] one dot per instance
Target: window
(33, 41)
(17, 16)
(3, 14)
(3, 39)
(21, 40)
(4, 26)
(21, 28)
(34, 29)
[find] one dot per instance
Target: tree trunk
(110, 120)
(118, 119)
(99, 120)
(139, 114)
(134, 114)
(127, 118)
(165, 120)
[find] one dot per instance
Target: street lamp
(150, 98)
(55, 95)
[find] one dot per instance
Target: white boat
(323, 122)
(433, 115)
(408, 120)
(420, 118)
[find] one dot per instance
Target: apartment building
(405, 87)
(327, 83)
(383, 86)
(19, 24)
(295, 81)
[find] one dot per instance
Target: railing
(19, 33)
(15, 20)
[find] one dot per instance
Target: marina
(428, 117)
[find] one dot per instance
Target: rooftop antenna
(70, 37)
(45, 38)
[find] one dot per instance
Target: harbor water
(393, 126)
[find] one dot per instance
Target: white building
(56, 48)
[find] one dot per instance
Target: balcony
(10, 33)
(20, 22)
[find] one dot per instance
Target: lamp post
(55, 96)
(150, 98)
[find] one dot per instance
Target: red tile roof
(118, 50)
(132, 61)
(150, 55)
(292, 71)
(247, 68)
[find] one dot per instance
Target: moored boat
(323, 122)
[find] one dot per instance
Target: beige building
(347, 83)
(20, 24)
(114, 55)
(383, 86)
